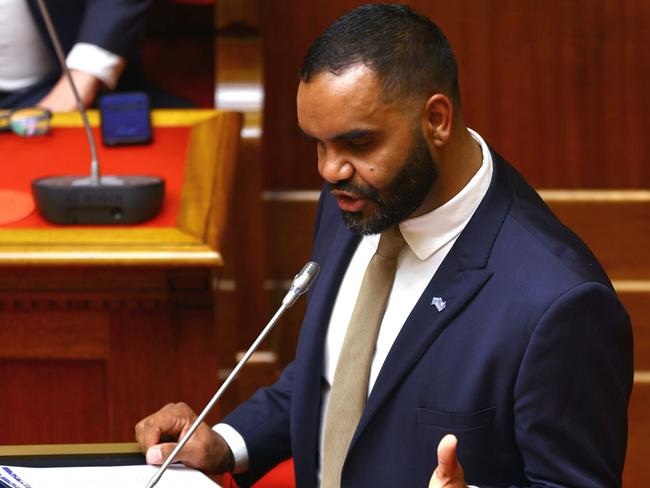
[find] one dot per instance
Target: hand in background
(206, 450)
(61, 99)
(449, 473)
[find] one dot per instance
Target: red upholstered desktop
(279, 477)
(65, 151)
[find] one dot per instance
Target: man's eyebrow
(343, 136)
(354, 134)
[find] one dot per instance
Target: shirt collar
(428, 233)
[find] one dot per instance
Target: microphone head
(301, 282)
(306, 276)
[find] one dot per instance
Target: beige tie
(350, 385)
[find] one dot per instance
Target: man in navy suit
(501, 327)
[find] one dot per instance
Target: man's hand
(61, 99)
(206, 450)
(448, 474)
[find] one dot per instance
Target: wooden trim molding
(642, 377)
(71, 449)
(549, 195)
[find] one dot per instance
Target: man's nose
(335, 167)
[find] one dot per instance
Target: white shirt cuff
(102, 64)
(237, 445)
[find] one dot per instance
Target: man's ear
(439, 113)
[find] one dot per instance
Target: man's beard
(402, 196)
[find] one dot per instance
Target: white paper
(176, 476)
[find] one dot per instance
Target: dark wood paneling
(178, 54)
(51, 401)
(289, 227)
(617, 232)
(284, 338)
(557, 87)
(637, 305)
(143, 358)
(57, 334)
(245, 244)
(88, 353)
(638, 446)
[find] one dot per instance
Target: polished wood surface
(70, 449)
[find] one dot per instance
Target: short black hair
(408, 52)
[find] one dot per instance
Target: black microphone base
(115, 200)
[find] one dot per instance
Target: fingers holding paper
(449, 473)
(206, 450)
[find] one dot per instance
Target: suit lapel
(424, 325)
(460, 277)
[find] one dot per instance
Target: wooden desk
(101, 326)
(201, 211)
(77, 455)
(60, 455)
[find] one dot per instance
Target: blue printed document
(176, 476)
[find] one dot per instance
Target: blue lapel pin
(439, 303)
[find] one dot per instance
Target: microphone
(301, 283)
(93, 199)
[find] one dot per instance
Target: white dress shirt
(26, 59)
(24, 56)
(429, 238)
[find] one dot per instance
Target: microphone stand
(301, 283)
(94, 163)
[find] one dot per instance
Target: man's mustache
(362, 191)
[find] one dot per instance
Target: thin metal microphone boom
(94, 164)
(301, 283)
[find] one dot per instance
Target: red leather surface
(65, 151)
(14, 205)
(279, 477)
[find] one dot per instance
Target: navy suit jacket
(529, 364)
(114, 25)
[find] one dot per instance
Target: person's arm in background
(90, 74)
(109, 33)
